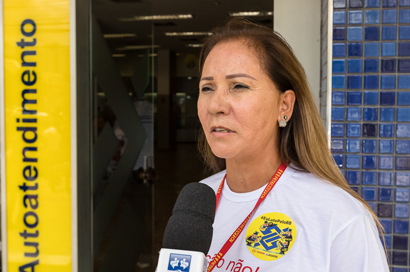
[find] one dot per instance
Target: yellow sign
(270, 236)
(37, 130)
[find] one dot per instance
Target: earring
(282, 122)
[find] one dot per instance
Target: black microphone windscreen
(190, 226)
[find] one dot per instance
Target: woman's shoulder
(215, 180)
(313, 191)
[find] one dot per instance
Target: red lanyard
(239, 230)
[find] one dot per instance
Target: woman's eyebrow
(239, 75)
(207, 78)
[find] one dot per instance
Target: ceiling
(206, 15)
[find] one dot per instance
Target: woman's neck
(251, 174)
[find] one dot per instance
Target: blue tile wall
(370, 130)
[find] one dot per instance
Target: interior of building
(145, 87)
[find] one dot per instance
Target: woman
(260, 123)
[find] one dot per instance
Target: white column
(298, 21)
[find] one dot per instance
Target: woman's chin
(224, 153)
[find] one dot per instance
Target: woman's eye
(206, 89)
(240, 86)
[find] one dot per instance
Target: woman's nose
(219, 103)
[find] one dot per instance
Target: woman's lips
(221, 131)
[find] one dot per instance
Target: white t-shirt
(304, 224)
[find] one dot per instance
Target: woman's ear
(287, 103)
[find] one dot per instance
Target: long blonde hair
(302, 143)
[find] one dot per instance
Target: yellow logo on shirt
(270, 236)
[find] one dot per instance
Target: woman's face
(239, 107)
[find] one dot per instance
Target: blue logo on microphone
(179, 262)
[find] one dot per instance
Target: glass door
(122, 136)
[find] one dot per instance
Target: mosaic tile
(389, 33)
(400, 242)
(339, 3)
(403, 130)
(371, 65)
(337, 130)
(403, 98)
(388, 66)
(354, 66)
(369, 178)
(368, 162)
(401, 226)
(339, 17)
(372, 3)
(352, 145)
(387, 225)
(371, 98)
(338, 98)
(355, 3)
(402, 163)
(354, 50)
(369, 146)
(370, 114)
(404, 32)
(369, 130)
(354, 98)
(387, 114)
(354, 82)
(372, 33)
(404, 66)
(388, 82)
(389, 16)
(404, 83)
(336, 145)
(387, 241)
(402, 194)
(339, 66)
(371, 82)
(339, 50)
(356, 17)
(369, 193)
(401, 210)
(338, 114)
(353, 130)
(386, 162)
(384, 210)
(399, 258)
(372, 16)
(354, 114)
(403, 146)
(386, 194)
(404, 3)
(404, 16)
(338, 82)
(354, 33)
(352, 161)
(386, 130)
(389, 49)
(353, 177)
(338, 160)
(387, 98)
(388, 3)
(386, 146)
(339, 33)
(404, 49)
(371, 49)
(385, 178)
(403, 114)
(402, 179)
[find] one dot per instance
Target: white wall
(298, 21)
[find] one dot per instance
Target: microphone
(188, 234)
